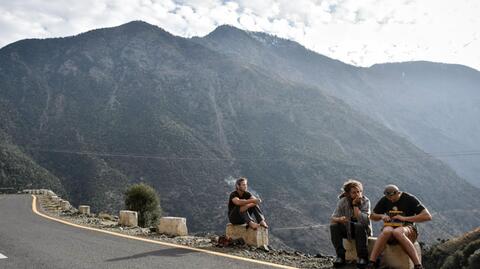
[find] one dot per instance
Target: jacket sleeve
(365, 212)
(338, 212)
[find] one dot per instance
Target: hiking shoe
(371, 265)
(339, 261)
(362, 263)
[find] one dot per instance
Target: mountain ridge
(206, 119)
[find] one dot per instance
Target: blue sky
(359, 32)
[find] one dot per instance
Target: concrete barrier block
(351, 249)
(257, 238)
(84, 209)
(55, 199)
(172, 226)
(395, 258)
(128, 218)
(65, 205)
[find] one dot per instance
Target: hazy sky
(360, 32)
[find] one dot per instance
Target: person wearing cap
(399, 211)
(351, 220)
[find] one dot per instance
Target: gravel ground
(202, 241)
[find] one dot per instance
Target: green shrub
(145, 200)
(474, 260)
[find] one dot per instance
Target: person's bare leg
(406, 244)
(253, 225)
(381, 243)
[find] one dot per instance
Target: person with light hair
(351, 220)
(399, 212)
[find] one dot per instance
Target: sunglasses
(390, 193)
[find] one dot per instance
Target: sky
(358, 32)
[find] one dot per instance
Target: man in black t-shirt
(399, 211)
(243, 206)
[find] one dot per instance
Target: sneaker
(362, 263)
(339, 261)
(371, 265)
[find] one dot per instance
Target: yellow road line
(34, 209)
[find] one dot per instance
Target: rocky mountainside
(18, 170)
(459, 252)
(435, 106)
(110, 107)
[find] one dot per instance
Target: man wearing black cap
(399, 211)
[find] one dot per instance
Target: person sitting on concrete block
(243, 207)
(350, 220)
(399, 211)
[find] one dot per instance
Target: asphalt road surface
(28, 240)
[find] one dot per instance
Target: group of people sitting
(399, 212)
(351, 219)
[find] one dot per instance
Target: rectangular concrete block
(395, 258)
(351, 249)
(172, 226)
(128, 218)
(256, 238)
(55, 199)
(84, 209)
(65, 205)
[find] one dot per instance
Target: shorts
(410, 232)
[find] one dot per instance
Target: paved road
(31, 241)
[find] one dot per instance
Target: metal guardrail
(8, 190)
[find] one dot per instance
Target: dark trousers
(252, 214)
(359, 233)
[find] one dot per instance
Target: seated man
(243, 206)
(399, 212)
(350, 220)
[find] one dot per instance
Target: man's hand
(400, 218)
(342, 220)
(255, 200)
(386, 218)
(357, 201)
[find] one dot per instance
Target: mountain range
(90, 114)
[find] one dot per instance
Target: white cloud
(361, 32)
